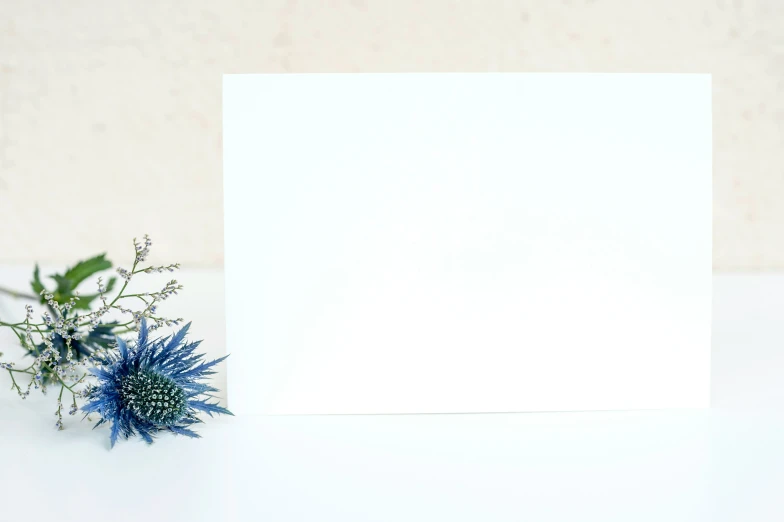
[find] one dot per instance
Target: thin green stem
(125, 285)
(12, 326)
(17, 295)
(25, 370)
(139, 296)
(18, 325)
(58, 377)
(132, 295)
(13, 381)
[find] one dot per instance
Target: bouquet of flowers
(99, 351)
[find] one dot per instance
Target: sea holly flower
(152, 386)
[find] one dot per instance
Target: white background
(723, 464)
(124, 97)
(467, 243)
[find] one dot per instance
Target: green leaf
(36, 283)
(84, 269)
(64, 286)
(67, 283)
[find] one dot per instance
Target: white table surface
(725, 463)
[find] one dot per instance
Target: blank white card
(417, 243)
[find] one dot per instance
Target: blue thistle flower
(153, 386)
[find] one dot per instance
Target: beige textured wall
(110, 116)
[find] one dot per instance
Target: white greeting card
(422, 243)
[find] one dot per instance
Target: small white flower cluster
(142, 251)
(171, 288)
(60, 357)
(160, 323)
(161, 269)
(64, 326)
(59, 413)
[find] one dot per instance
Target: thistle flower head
(152, 386)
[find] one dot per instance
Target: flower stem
(13, 381)
(125, 285)
(17, 295)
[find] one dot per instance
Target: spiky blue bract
(152, 386)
